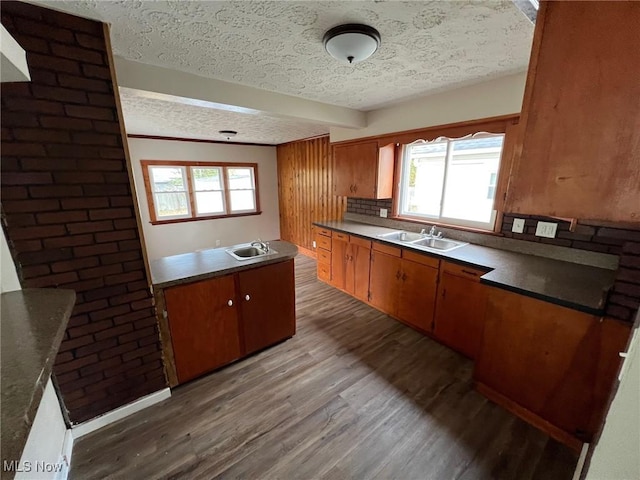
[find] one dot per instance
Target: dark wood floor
(353, 395)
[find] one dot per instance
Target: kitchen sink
(440, 244)
(402, 236)
(249, 252)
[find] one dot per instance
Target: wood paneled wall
(304, 187)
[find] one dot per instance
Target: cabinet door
(354, 169)
(459, 318)
(417, 294)
(358, 272)
(204, 328)
(267, 299)
(580, 155)
(385, 281)
(339, 262)
(555, 362)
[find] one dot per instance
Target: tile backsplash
(621, 241)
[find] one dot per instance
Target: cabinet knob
(230, 303)
(247, 298)
(351, 188)
(404, 277)
(398, 275)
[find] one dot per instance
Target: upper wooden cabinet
(363, 170)
(580, 141)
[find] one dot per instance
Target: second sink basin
(440, 244)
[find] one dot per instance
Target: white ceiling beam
(189, 88)
(13, 63)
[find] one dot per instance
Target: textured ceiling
(146, 115)
(427, 46)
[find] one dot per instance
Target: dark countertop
(32, 325)
(572, 285)
(215, 262)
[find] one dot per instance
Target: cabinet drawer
(361, 242)
(324, 256)
(379, 247)
(463, 271)
(323, 231)
(340, 236)
(323, 242)
(421, 259)
(324, 271)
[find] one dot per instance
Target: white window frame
(404, 190)
(221, 171)
(252, 189)
(155, 193)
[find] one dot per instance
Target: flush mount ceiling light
(352, 42)
(228, 133)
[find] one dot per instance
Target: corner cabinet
(579, 154)
(216, 321)
(363, 170)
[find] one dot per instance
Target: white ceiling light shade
(352, 42)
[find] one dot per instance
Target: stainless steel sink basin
(402, 236)
(248, 252)
(439, 244)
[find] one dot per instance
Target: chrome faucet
(263, 245)
(433, 233)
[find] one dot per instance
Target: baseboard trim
(94, 424)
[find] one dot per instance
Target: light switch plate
(383, 212)
(546, 229)
(518, 225)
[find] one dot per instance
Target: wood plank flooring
(353, 395)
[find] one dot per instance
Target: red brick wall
(68, 209)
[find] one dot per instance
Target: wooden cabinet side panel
(204, 328)
(384, 282)
(556, 362)
(459, 317)
(581, 151)
(417, 294)
(386, 166)
(268, 316)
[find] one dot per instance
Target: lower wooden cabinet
(350, 260)
(459, 316)
(203, 321)
(267, 305)
(403, 284)
(323, 252)
(551, 365)
(216, 321)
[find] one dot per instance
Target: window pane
(424, 176)
(209, 202)
(240, 178)
(473, 169)
(242, 200)
(206, 178)
(168, 179)
(171, 204)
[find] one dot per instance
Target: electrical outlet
(314, 244)
(383, 212)
(518, 225)
(217, 243)
(546, 229)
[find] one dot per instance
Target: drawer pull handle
(469, 272)
(247, 298)
(398, 275)
(230, 303)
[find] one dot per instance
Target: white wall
(616, 456)
(45, 442)
(502, 96)
(9, 280)
(172, 239)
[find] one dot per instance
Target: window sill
(447, 225)
(197, 219)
